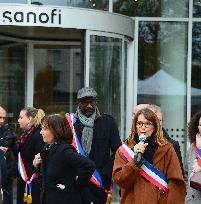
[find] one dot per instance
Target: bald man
(8, 147)
(138, 108)
(157, 110)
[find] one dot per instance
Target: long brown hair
(150, 116)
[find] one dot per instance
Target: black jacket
(105, 142)
(176, 148)
(3, 170)
(64, 173)
(32, 146)
(8, 140)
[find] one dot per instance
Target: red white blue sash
(147, 170)
(23, 174)
(96, 178)
(197, 154)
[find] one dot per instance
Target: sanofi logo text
(51, 17)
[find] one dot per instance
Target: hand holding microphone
(139, 150)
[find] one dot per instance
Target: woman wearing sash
(29, 144)
(146, 166)
(194, 157)
(64, 171)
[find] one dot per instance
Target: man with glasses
(8, 147)
(99, 138)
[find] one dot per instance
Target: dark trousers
(8, 193)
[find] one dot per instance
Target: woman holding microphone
(147, 169)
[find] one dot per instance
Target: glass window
(107, 77)
(57, 77)
(14, 1)
(197, 8)
(105, 73)
(12, 78)
(196, 69)
(92, 4)
(124, 102)
(162, 69)
(152, 8)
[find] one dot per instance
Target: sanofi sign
(65, 17)
(30, 16)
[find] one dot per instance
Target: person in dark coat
(3, 174)
(64, 171)
(8, 146)
(99, 138)
(29, 144)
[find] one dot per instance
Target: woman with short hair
(64, 171)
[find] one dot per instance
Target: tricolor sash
(197, 154)
(96, 178)
(147, 170)
(28, 187)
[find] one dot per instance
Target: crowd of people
(76, 158)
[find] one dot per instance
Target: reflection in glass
(12, 78)
(105, 73)
(125, 74)
(92, 4)
(14, 1)
(57, 77)
(105, 77)
(197, 8)
(152, 8)
(196, 69)
(162, 72)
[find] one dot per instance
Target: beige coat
(136, 190)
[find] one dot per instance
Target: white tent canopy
(162, 83)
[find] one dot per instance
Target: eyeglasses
(147, 124)
(1, 117)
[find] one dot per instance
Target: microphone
(142, 138)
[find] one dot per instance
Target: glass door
(12, 78)
(106, 72)
(58, 75)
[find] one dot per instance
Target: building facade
(130, 51)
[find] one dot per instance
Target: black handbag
(195, 181)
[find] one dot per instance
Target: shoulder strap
(96, 178)
(147, 170)
(197, 154)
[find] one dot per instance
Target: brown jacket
(136, 190)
